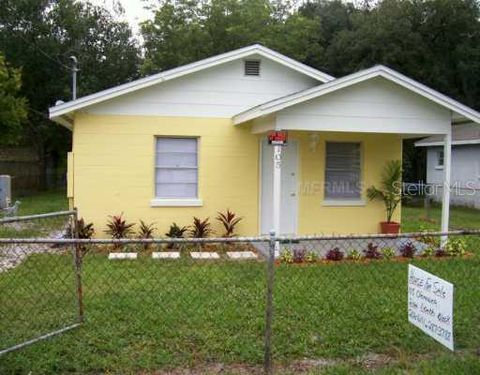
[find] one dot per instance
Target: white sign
(430, 305)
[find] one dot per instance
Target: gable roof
(465, 134)
(352, 79)
(256, 49)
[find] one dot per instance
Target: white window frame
(176, 202)
(341, 201)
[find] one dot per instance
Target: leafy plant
(390, 191)
(85, 231)
(334, 254)
(286, 256)
(354, 254)
(200, 228)
(371, 252)
(117, 227)
(299, 255)
(145, 231)
(441, 253)
(429, 251)
(229, 221)
(175, 231)
(311, 257)
(388, 252)
(456, 246)
(408, 250)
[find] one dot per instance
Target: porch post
(447, 164)
(277, 182)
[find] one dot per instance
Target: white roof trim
(142, 83)
(363, 75)
(454, 143)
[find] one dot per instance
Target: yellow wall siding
(114, 169)
(377, 149)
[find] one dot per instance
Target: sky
(135, 11)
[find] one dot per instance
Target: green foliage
(354, 254)
(456, 246)
(286, 256)
(145, 231)
(175, 231)
(229, 220)
(388, 252)
(117, 227)
(390, 191)
(13, 107)
(200, 228)
(429, 251)
(311, 257)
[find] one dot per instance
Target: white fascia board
(454, 143)
(142, 83)
(352, 79)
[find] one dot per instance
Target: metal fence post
(268, 364)
(77, 262)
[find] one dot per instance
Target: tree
(39, 36)
(13, 108)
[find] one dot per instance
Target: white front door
(288, 210)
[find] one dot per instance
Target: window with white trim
(176, 168)
(343, 171)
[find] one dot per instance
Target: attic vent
(252, 67)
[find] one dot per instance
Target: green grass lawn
(148, 315)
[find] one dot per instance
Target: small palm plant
(390, 191)
(145, 231)
(229, 220)
(200, 228)
(117, 228)
(175, 231)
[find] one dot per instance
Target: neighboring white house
(465, 177)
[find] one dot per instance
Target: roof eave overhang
(142, 83)
(465, 112)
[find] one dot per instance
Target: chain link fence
(232, 300)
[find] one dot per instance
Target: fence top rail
(270, 238)
(13, 219)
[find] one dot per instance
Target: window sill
(343, 202)
(439, 167)
(162, 202)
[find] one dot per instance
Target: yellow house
(192, 141)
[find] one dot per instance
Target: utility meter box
(5, 191)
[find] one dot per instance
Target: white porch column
(277, 186)
(447, 166)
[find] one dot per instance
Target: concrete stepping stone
(241, 255)
(166, 255)
(204, 255)
(118, 256)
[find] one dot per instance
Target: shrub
(371, 252)
(286, 256)
(408, 250)
(299, 255)
(145, 231)
(229, 221)
(440, 253)
(200, 228)
(117, 227)
(334, 254)
(175, 231)
(311, 257)
(388, 252)
(85, 231)
(429, 251)
(456, 247)
(354, 255)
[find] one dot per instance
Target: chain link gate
(30, 283)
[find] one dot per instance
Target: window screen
(176, 168)
(342, 171)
